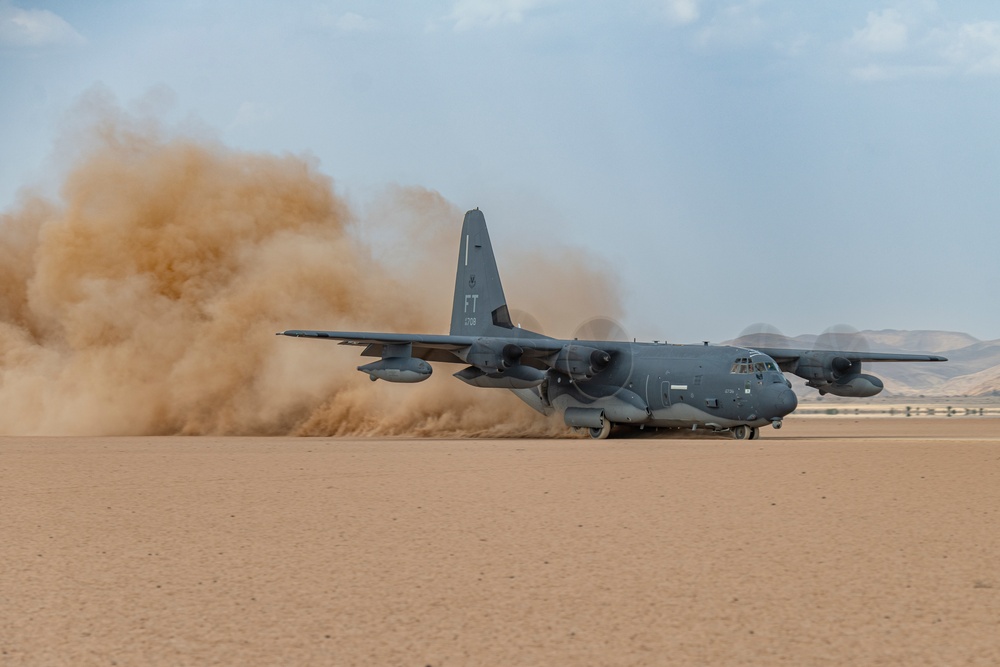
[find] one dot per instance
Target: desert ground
(834, 541)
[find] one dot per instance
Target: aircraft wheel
(741, 432)
(754, 433)
(601, 433)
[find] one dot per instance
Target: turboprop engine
(498, 366)
(831, 373)
(581, 362)
(516, 377)
(825, 367)
(493, 357)
(398, 369)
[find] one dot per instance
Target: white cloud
(900, 47)
(468, 14)
(884, 32)
(35, 27)
(681, 11)
(735, 25)
(875, 72)
(794, 46)
(351, 22)
(347, 22)
(972, 48)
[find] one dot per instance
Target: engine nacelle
(515, 377)
(581, 362)
(398, 369)
(822, 367)
(857, 386)
(492, 357)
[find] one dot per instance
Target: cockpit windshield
(754, 364)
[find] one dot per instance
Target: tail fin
(480, 308)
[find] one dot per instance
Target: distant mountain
(972, 369)
(932, 342)
(983, 383)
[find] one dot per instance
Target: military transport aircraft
(597, 384)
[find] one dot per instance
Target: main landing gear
(601, 433)
(744, 432)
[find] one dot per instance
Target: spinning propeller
(844, 338)
(598, 329)
(584, 357)
(760, 335)
(839, 337)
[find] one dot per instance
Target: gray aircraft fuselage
(682, 386)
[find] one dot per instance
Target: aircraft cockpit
(754, 364)
(759, 365)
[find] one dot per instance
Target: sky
(725, 162)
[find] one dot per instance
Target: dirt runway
(831, 542)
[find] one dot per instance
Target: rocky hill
(972, 369)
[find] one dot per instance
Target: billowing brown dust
(145, 300)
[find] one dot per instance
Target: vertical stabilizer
(480, 308)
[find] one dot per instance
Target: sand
(830, 542)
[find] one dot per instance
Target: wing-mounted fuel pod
(398, 365)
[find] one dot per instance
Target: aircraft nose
(787, 402)
(781, 401)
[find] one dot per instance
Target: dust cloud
(145, 297)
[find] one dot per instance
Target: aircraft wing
(424, 346)
(790, 356)
(429, 341)
(838, 372)
(431, 347)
